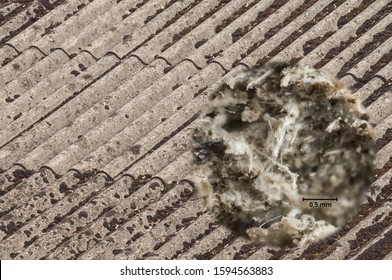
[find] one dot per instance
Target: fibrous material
(273, 141)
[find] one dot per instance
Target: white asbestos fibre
(276, 135)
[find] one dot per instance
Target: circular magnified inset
(283, 154)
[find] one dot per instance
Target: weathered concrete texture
(95, 94)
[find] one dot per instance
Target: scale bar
(303, 199)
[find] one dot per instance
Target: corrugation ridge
(357, 237)
(112, 103)
(353, 13)
(30, 40)
(362, 81)
(60, 48)
(36, 202)
(47, 219)
(226, 241)
(379, 249)
(14, 195)
(373, 63)
(264, 252)
(205, 42)
(193, 104)
(386, 86)
(342, 21)
(161, 230)
(112, 204)
(382, 127)
(261, 49)
(126, 108)
(196, 206)
(230, 249)
(59, 106)
(28, 78)
(110, 22)
(335, 29)
(361, 30)
(130, 54)
(369, 91)
(127, 131)
(119, 74)
(384, 140)
(185, 224)
(276, 29)
(17, 51)
(19, 66)
(28, 103)
(337, 62)
(6, 55)
(38, 14)
(314, 54)
(165, 206)
(44, 55)
(163, 141)
(387, 165)
(108, 180)
(235, 15)
(168, 23)
(188, 29)
(95, 104)
(208, 245)
(121, 162)
(38, 40)
(246, 251)
(372, 236)
(252, 30)
(380, 77)
(59, 33)
(376, 41)
(177, 245)
(366, 234)
(72, 55)
(299, 31)
(177, 148)
(142, 33)
(11, 9)
(12, 176)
